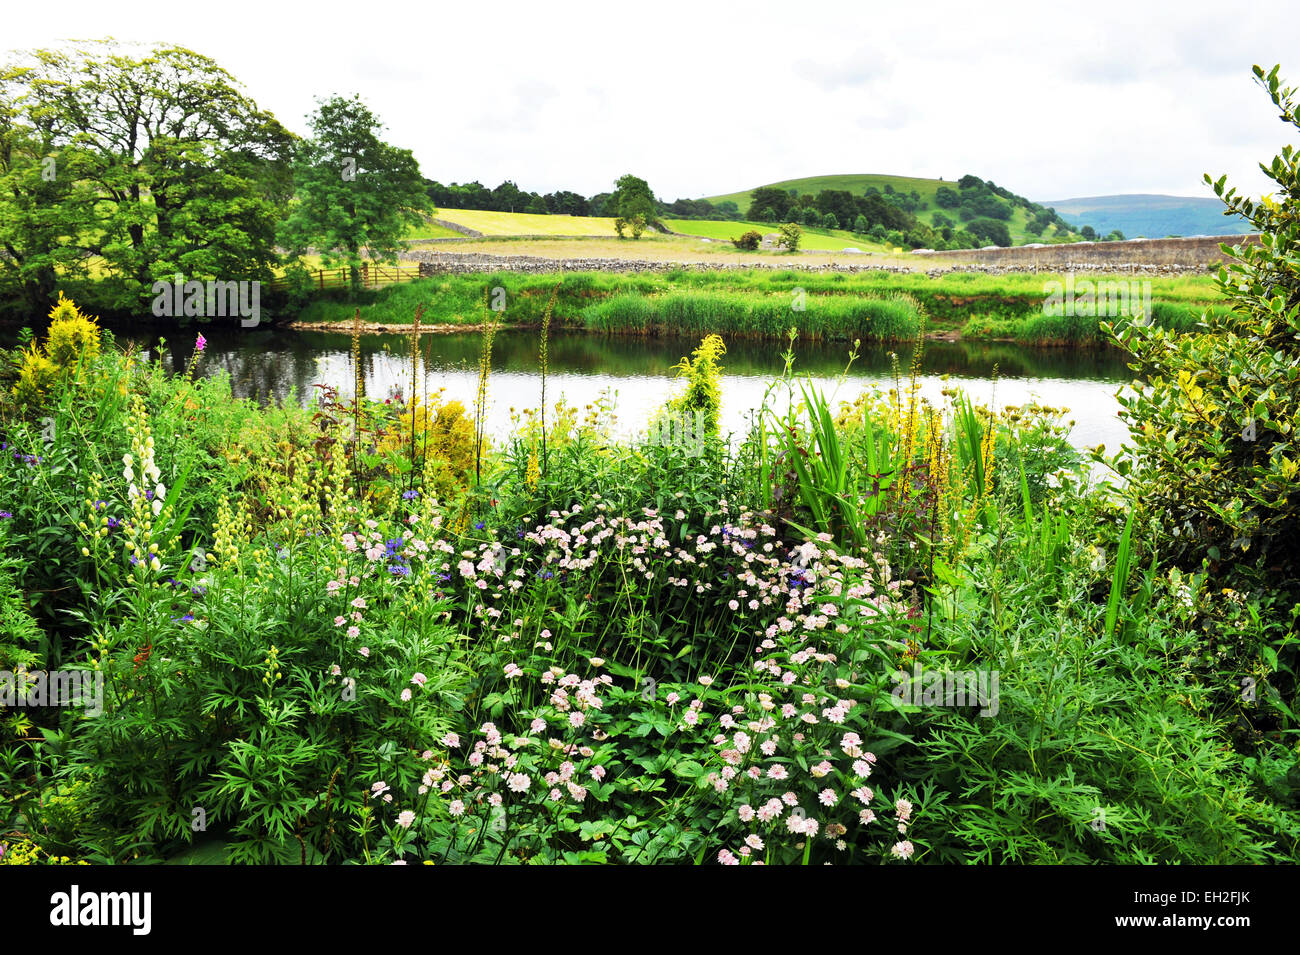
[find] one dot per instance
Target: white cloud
(705, 98)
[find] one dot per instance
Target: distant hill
(1152, 216)
(922, 196)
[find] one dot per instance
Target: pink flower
(419, 679)
(457, 808)
(745, 812)
(518, 783)
(538, 725)
(406, 695)
(200, 343)
(405, 819)
(904, 809)
(339, 621)
(354, 631)
(364, 651)
(359, 603)
(726, 857)
(512, 671)
(577, 718)
(598, 773)
(451, 740)
(754, 842)
(777, 771)
(902, 850)
(827, 797)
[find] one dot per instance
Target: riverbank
(878, 304)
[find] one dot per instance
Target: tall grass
(752, 315)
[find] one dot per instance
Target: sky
(1052, 101)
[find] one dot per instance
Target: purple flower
(410, 495)
(5, 515)
(200, 343)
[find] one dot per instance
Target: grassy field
(431, 231)
(827, 240)
(523, 223)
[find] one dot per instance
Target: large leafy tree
(634, 204)
(161, 166)
(353, 192)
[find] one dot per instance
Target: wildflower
(902, 850)
(726, 857)
(537, 725)
(200, 343)
(405, 818)
(406, 695)
(419, 679)
(518, 783)
(904, 809)
(457, 808)
(354, 631)
(827, 797)
(754, 842)
(451, 741)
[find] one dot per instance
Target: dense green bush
(1215, 467)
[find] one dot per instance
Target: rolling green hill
(1152, 216)
(1021, 210)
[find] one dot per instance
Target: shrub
(791, 236)
(749, 241)
(1213, 427)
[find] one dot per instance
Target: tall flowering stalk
(481, 395)
(146, 501)
(415, 385)
(543, 358)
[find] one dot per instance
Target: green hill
(921, 200)
(1152, 216)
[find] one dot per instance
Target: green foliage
(352, 190)
(1215, 465)
(748, 241)
(791, 236)
(161, 166)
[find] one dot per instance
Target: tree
(860, 224)
(969, 182)
(160, 165)
(812, 218)
(990, 231)
(632, 198)
(537, 206)
(748, 241)
(353, 191)
(830, 222)
(508, 197)
(767, 204)
(791, 236)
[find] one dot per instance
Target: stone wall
(1188, 253)
(435, 263)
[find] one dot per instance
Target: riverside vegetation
(761, 304)
(359, 632)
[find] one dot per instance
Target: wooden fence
(372, 276)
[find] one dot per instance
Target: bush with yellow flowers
(437, 438)
(73, 338)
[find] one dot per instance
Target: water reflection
(277, 366)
